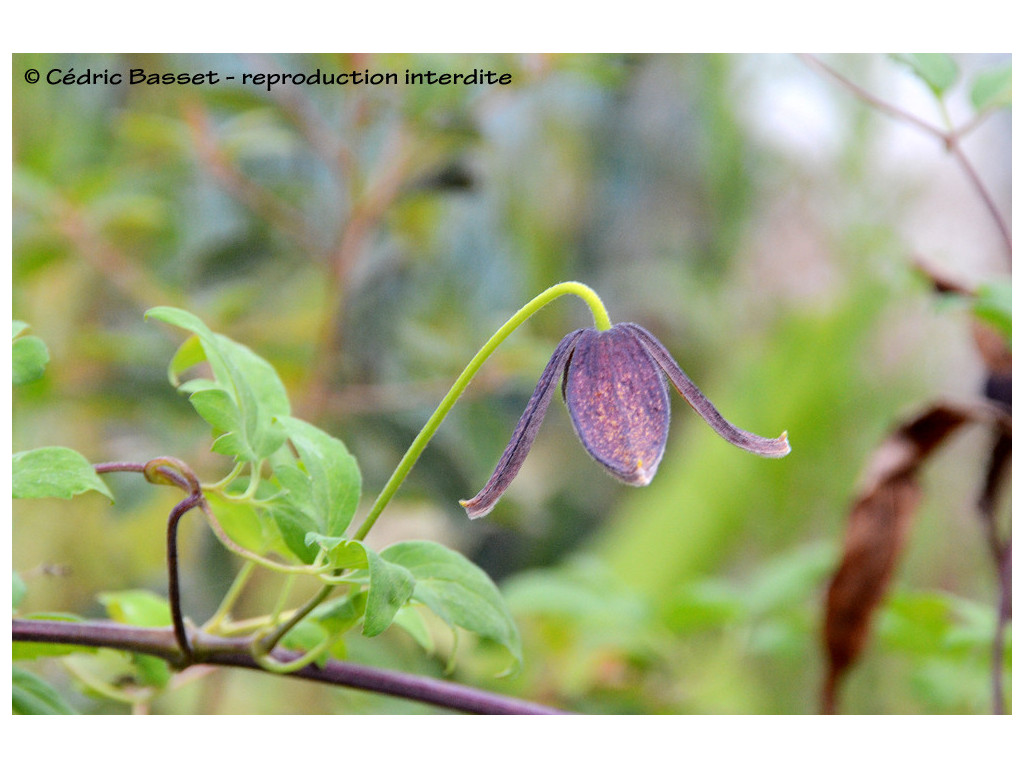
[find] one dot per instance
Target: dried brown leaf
(877, 530)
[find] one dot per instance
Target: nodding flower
(613, 383)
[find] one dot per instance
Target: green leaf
(326, 484)
(391, 585)
(411, 620)
(245, 526)
(54, 472)
(217, 409)
(138, 607)
(304, 636)
(993, 89)
(938, 70)
(248, 430)
(187, 356)
(993, 303)
(151, 671)
(321, 491)
(340, 615)
(293, 524)
(342, 553)
(18, 326)
(29, 356)
(31, 695)
(459, 592)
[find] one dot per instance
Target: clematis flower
(613, 383)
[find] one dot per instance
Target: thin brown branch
(869, 98)
(235, 652)
(950, 140)
(957, 151)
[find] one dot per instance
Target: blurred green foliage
(367, 240)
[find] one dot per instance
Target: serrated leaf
(138, 607)
(993, 89)
(458, 591)
(54, 472)
(31, 695)
(248, 380)
(327, 484)
(29, 357)
(938, 70)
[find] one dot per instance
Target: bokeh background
(753, 213)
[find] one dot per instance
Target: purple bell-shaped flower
(614, 388)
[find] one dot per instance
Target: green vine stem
(269, 663)
(223, 611)
(265, 645)
(601, 321)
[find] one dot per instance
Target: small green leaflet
(138, 607)
(391, 585)
(245, 525)
(938, 70)
(993, 89)
(54, 472)
(245, 396)
(458, 591)
(321, 489)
